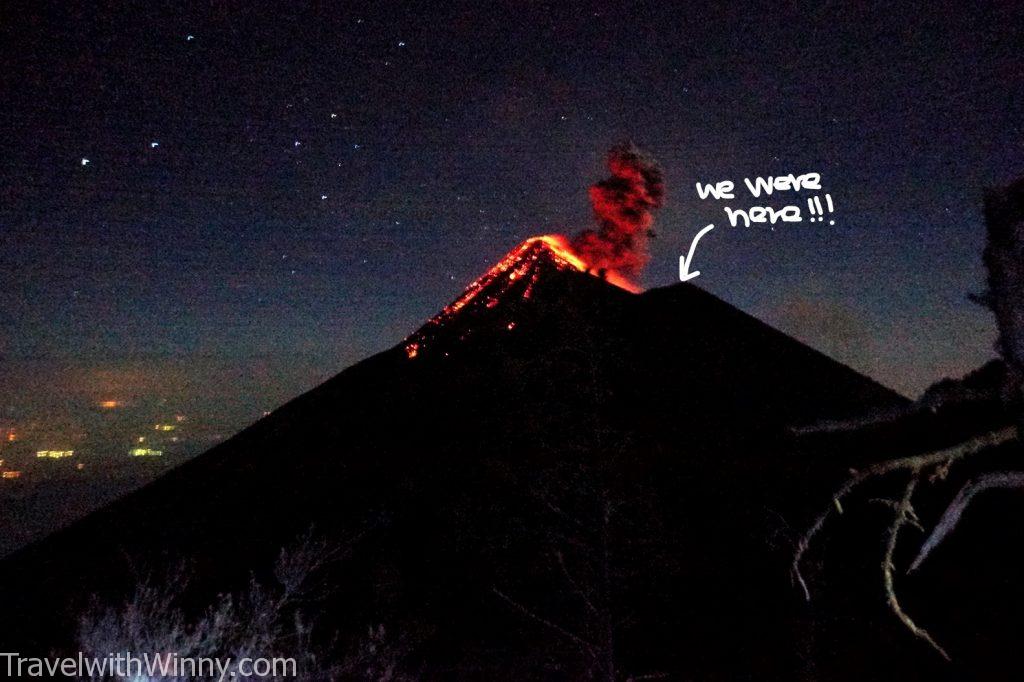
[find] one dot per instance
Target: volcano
(496, 297)
(467, 469)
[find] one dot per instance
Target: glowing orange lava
(518, 263)
(559, 245)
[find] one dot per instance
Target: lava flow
(517, 264)
(615, 250)
(513, 277)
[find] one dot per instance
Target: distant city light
(164, 427)
(145, 452)
(11, 437)
(11, 474)
(110, 404)
(179, 418)
(80, 466)
(54, 454)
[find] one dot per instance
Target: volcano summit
(496, 298)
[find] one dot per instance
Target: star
(333, 115)
(190, 37)
(323, 197)
(401, 43)
(297, 143)
(85, 161)
(154, 145)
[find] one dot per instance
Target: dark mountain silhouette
(451, 463)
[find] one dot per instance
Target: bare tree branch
(589, 648)
(940, 458)
(574, 584)
(904, 512)
(951, 517)
(563, 514)
(875, 418)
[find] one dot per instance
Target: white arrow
(687, 260)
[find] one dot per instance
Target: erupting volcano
(551, 428)
(616, 251)
(493, 300)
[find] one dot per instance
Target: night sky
(222, 206)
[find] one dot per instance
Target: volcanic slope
(451, 462)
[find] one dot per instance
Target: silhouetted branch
(939, 459)
(999, 382)
(1004, 261)
(580, 591)
(875, 418)
(576, 639)
(951, 517)
(904, 513)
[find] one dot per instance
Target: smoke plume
(623, 207)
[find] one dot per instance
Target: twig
(576, 587)
(951, 517)
(587, 646)
(879, 417)
(940, 458)
(565, 515)
(904, 512)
